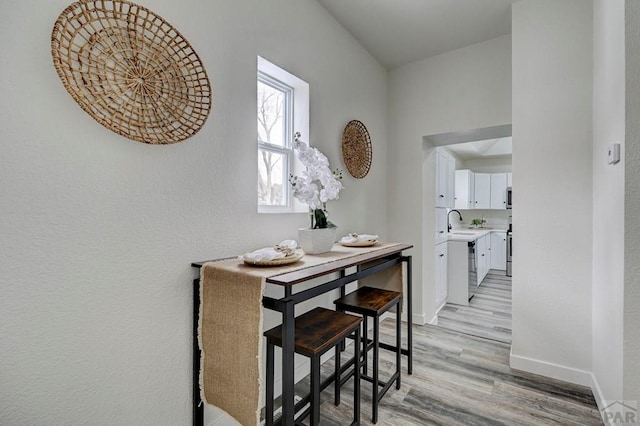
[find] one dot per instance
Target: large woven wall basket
(131, 71)
(356, 149)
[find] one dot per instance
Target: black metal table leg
(288, 347)
(198, 407)
(409, 316)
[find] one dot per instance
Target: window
(275, 129)
(282, 109)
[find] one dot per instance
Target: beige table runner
(230, 328)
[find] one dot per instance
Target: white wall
(632, 204)
(489, 165)
(552, 157)
(608, 200)
(98, 232)
(465, 89)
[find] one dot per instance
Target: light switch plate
(613, 153)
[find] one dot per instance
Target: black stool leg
(376, 349)
(269, 392)
(356, 381)
(398, 343)
(365, 344)
(337, 373)
(315, 390)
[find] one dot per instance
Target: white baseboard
(599, 397)
(548, 369)
(434, 320)
(419, 319)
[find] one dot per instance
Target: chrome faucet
(448, 218)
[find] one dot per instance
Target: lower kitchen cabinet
(441, 274)
(482, 258)
(499, 250)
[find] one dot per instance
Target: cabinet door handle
(442, 255)
(483, 254)
(441, 196)
(442, 232)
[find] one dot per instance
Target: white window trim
(299, 116)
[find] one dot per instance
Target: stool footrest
(382, 345)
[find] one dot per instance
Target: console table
(367, 262)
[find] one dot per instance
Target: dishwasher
(472, 269)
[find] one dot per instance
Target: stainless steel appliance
(509, 198)
(472, 269)
(509, 251)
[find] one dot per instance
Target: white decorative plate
(297, 255)
(367, 243)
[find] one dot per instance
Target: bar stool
(373, 302)
(316, 332)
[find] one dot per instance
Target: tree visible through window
(274, 108)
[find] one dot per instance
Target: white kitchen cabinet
(458, 273)
(487, 261)
(441, 224)
(464, 190)
(481, 258)
(499, 250)
(451, 182)
(498, 191)
(441, 274)
(482, 191)
(445, 177)
(441, 179)
(509, 180)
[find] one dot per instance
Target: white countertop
(467, 235)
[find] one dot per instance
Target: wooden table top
(307, 273)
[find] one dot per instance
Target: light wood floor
(488, 314)
(462, 379)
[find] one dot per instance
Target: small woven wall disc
(131, 71)
(356, 149)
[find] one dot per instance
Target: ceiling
(397, 32)
(490, 148)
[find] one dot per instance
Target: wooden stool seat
(316, 332)
(369, 301)
(373, 302)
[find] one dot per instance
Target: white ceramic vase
(316, 241)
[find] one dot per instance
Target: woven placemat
(356, 149)
(131, 71)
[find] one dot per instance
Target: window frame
(299, 122)
(286, 150)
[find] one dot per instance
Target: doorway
(472, 223)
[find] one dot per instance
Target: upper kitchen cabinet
(445, 178)
(464, 190)
(499, 191)
(451, 181)
(482, 191)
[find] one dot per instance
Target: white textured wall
(552, 160)
(465, 89)
(97, 232)
(489, 165)
(632, 204)
(608, 199)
